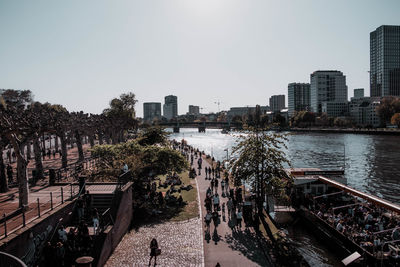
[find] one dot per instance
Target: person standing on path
(216, 186)
(229, 204)
(239, 217)
(153, 251)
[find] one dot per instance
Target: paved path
(238, 248)
(180, 244)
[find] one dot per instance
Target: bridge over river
(201, 125)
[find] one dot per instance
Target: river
(371, 163)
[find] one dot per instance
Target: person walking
(223, 187)
(229, 204)
(239, 217)
(216, 186)
(153, 251)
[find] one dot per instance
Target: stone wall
(121, 225)
(26, 243)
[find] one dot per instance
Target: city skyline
(202, 51)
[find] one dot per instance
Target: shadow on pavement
(246, 242)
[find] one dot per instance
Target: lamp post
(227, 155)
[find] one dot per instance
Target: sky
(81, 54)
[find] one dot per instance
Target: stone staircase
(101, 201)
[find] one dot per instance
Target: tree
(387, 108)
(259, 160)
(153, 135)
(141, 160)
(16, 128)
(121, 116)
(395, 120)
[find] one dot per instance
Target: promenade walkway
(230, 248)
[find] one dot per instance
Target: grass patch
(190, 210)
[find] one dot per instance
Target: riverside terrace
(370, 224)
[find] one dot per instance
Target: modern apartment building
(385, 61)
(277, 102)
(170, 108)
(151, 111)
(298, 97)
(362, 111)
(327, 86)
(194, 110)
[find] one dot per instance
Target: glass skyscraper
(385, 61)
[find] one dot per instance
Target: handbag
(158, 251)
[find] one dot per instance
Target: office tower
(298, 97)
(151, 110)
(194, 110)
(385, 61)
(170, 108)
(327, 86)
(359, 92)
(277, 102)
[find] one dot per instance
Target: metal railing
(75, 168)
(10, 260)
(9, 223)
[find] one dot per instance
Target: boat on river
(356, 225)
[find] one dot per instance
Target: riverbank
(379, 131)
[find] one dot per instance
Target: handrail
(7, 259)
(41, 208)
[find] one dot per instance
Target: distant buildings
(151, 111)
(194, 110)
(359, 92)
(298, 97)
(170, 108)
(242, 111)
(328, 86)
(385, 61)
(362, 111)
(277, 102)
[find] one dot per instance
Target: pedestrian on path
(216, 202)
(223, 188)
(229, 204)
(239, 217)
(153, 251)
(212, 185)
(216, 185)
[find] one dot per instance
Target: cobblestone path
(180, 244)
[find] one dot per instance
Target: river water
(371, 164)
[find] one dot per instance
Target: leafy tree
(121, 116)
(395, 120)
(259, 160)
(387, 108)
(153, 135)
(141, 160)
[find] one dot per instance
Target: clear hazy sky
(83, 53)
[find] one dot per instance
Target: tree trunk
(28, 150)
(38, 158)
(3, 178)
(100, 135)
(64, 153)
(56, 143)
(79, 145)
(22, 179)
(91, 140)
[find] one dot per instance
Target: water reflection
(371, 162)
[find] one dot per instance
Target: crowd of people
(368, 225)
(75, 241)
(222, 200)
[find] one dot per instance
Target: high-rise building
(151, 111)
(277, 102)
(194, 110)
(385, 61)
(170, 108)
(327, 86)
(298, 97)
(359, 92)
